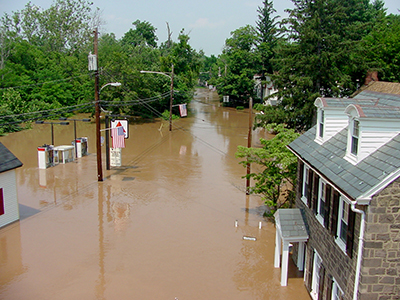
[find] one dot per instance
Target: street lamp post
(110, 83)
(172, 90)
(75, 120)
(52, 129)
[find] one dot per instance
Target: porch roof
(290, 225)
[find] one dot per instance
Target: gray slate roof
(328, 158)
(8, 161)
(291, 223)
(352, 180)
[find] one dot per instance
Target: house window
(321, 200)
(337, 293)
(324, 203)
(321, 123)
(317, 276)
(344, 223)
(355, 137)
(306, 184)
(345, 226)
(1, 202)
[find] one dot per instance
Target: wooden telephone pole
(249, 141)
(97, 110)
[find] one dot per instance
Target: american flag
(183, 110)
(118, 137)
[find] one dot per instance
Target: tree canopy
(44, 59)
(323, 48)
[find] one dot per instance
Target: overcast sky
(208, 22)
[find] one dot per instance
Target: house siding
(334, 124)
(370, 141)
(381, 257)
(11, 210)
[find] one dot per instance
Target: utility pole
(172, 98)
(97, 110)
(249, 140)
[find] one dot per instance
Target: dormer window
(355, 134)
(321, 123)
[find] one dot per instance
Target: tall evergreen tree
(267, 35)
(320, 55)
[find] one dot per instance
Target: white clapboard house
(9, 211)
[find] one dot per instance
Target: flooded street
(162, 226)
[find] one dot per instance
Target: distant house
(349, 193)
(9, 211)
(264, 90)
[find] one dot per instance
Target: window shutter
(310, 186)
(350, 234)
(310, 272)
(329, 286)
(335, 213)
(1, 202)
(315, 193)
(328, 195)
(301, 175)
(321, 282)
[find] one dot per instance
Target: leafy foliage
(279, 166)
(43, 58)
(382, 49)
(239, 55)
(321, 55)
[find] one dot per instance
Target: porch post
(277, 260)
(300, 256)
(285, 263)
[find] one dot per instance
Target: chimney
(371, 76)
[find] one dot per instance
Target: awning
(290, 228)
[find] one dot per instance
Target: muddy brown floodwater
(162, 226)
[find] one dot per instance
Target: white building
(9, 211)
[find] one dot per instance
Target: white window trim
(318, 138)
(350, 157)
(338, 240)
(315, 275)
(336, 290)
(305, 176)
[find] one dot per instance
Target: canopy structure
(290, 228)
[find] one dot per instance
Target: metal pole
(52, 134)
(171, 98)
(249, 140)
(107, 143)
(97, 110)
(76, 151)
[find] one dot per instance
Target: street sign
(123, 123)
(115, 157)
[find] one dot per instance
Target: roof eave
(366, 198)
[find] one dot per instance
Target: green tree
(144, 32)
(279, 167)
(267, 36)
(381, 49)
(187, 65)
(64, 27)
(239, 55)
(320, 56)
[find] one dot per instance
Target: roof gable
(8, 161)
